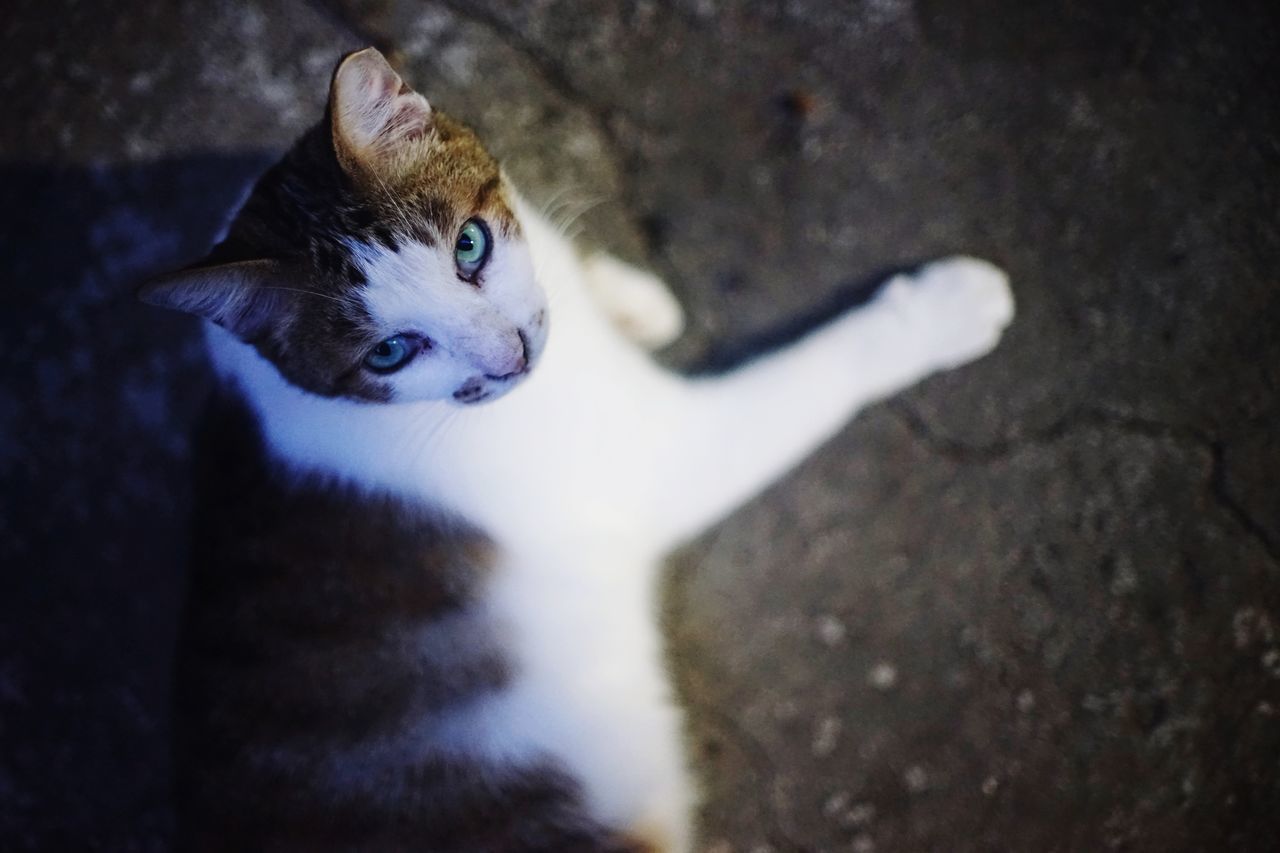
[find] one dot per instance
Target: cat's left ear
(247, 297)
(375, 114)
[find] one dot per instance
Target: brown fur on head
(391, 142)
(351, 240)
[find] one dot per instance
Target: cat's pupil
(383, 350)
(471, 250)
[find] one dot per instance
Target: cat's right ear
(246, 297)
(376, 116)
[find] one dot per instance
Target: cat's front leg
(638, 303)
(730, 436)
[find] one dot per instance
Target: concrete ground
(1031, 605)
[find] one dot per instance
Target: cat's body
(337, 647)
(499, 684)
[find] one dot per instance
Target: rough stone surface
(1030, 605)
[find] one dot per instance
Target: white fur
(591, 470)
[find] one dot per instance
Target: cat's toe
(982, 285)
(963, 305)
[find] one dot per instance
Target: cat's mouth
(491, 386)
(480, 389)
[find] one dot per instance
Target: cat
(428, 530)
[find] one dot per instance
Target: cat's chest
(540, 465)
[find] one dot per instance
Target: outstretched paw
(959, 306)
(638, 303)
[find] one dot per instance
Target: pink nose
(518, 364)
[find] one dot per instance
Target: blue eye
(392, 354)
(472, 249)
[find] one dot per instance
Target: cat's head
(380, 260)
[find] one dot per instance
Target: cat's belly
(588, 690)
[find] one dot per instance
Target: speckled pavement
(1030, 605)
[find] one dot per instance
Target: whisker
(554, 209)
(553, 201)
(425, 444)
(341, 300)
(587, 205)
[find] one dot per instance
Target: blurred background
(1030, 605)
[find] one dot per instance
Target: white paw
(958, 307)
(637, 302)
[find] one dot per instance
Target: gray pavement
(1030, 605)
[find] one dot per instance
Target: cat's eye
(472, 249)
(393, 353)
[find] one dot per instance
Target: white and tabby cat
(428, 532)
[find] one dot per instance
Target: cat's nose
(518, 363)
(522, 360)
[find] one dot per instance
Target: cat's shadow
(722, 356)
(97, 396)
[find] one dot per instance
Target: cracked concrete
(1030, 605)
(1098, 419)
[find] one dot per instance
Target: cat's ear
(374, 113)
(246, 297)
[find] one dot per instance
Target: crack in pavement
(1084, 418)
(1235, 507)
(1076, 419)
(781, 831)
